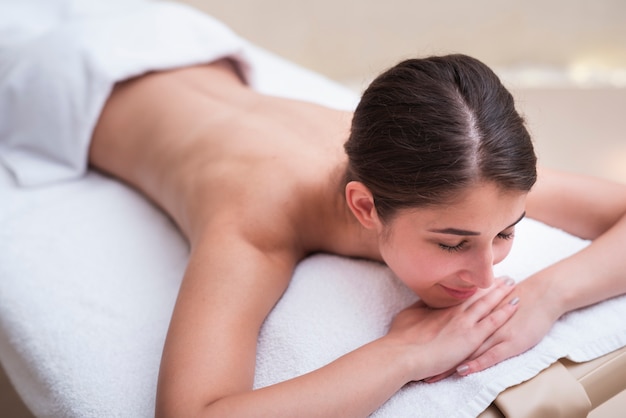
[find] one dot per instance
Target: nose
(480, 271)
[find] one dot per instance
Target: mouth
(460, 294)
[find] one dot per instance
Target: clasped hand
(463, 336)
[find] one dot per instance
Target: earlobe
(361, 203)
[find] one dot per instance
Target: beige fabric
(565, 389)
(552, 393)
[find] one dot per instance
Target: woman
(437, 170)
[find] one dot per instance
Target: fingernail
(509, 281)
(514, 301)
(463, 369)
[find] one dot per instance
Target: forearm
(353, 385)
(596, 273)
(421, 343)
(208, 359)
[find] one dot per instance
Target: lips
(461, 294)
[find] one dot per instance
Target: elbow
(180, 405)
(173, 404)
(165, 409)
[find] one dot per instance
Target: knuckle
(488, 359)
(495, 320)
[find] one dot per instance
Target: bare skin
(256, 184)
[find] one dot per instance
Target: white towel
(60, 59)
(89, 269)
(335, 305)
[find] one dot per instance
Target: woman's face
(445, 254)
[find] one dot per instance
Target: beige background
(564, 59)
(348, 39)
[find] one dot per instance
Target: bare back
(203, 145)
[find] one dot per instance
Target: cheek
(424, 270)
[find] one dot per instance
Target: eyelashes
(455, 248)
(506, 236)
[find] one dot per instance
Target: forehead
(483, 207)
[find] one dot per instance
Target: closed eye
(453, 248)
(461, 245)
(508, 235)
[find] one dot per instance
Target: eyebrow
(466, 233)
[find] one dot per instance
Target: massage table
(90, 269)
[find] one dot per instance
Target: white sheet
(89, 271)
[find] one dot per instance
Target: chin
(437, 303)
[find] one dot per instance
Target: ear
(361, 203)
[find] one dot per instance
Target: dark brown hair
(428, 128)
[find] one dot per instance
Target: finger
(494, 355)
(488, 302)
(440, 376)
(496, 338)
(495, 319)
(489, 342)
(502, 280)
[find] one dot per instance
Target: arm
(231, 285)
(592, 209)
(589, 208)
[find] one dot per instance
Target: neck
(336, 230)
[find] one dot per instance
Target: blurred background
(565, 60)
(549, 41)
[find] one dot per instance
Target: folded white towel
(90, 270)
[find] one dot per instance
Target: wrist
(409, 359)
(552, 291)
